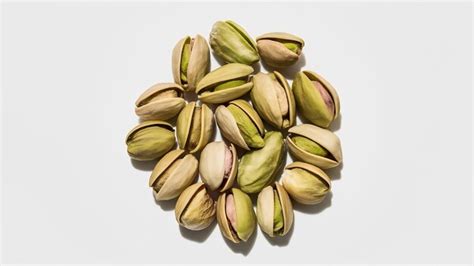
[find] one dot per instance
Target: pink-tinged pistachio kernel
(230, 211)
(325, 95)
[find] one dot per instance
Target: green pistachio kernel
(310, 146)
(230, 84)
(185, 61)
(277, 213)
(247, 128)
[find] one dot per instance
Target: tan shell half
(182, 176)
(183, 126)
(274, 53)
(228, 126)
(183, 202)
(222, 74)
(265, 209)
(335, 97)
(145, 124)
(212, 166)
(312, 169)
(266, 102)
(160, 109)
(199, 61)
(323, 137)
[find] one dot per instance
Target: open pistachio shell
(316, 99)
(232, 43)
(306, 183)
(279, 49)
(160, 102)
(232, 130)
(266, 210)
(198, 64)
(195, 209)
(324, 138)
(150, 140)
(218, 165)
(273, 99)
(235, 215)
(257, 168)
(172, 174)
(194, 127)
(230, 72)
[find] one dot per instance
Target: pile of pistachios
(256, 132)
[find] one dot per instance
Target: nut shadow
(166, 205)
(335, 173)
(281, 240)
(287, 72)
(243, 248)
(143, 165)
(197, 236)
(314, 209)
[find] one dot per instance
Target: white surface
(71, 73)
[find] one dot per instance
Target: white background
(71, 73)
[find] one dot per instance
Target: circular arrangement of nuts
(256, 134)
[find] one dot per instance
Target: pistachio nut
(279, 49)
(190, 61)
(314, 145)
(240, 124)
(235, 215)
(274, 210)
(195, 209)
(150, 140)
(273, 99)
(257, 168)
(194, 127)
(306, 183)
(232, 43)
(316, 99)
(172, 174)
(160, 102)
(218, 165)
(225, 83)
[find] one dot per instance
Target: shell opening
(231, 215)
(326, 96)
(195, 129)
(310, 146)
(165, 175)
(277, 214)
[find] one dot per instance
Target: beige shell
(265, 100)
(204, 214)
(228, 126)
(160, 109)
(323, 137)
(145, 124)
(181, 177)
(212, 166)
(183, 126)
(265, 209)
(199, 61)
(224, 73)
(274, 53)
(335, 97)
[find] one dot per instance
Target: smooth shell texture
(195, 209)
(199, 62)
(183, 126)
(212, 166)
(324, 138)
(160, 109)
(265, 209)
(274, 53)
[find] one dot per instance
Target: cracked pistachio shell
(306, 183)
(230, 73)
(172, 174)
(218, 165)
(235, 215)
(274, 210)
(150, 140)
(195, 209)
(316, 99)
(320, 136)
(273, 99)
(190, 66)
(162, 101)
(240, 124)
(257, 168)
(194, 127)
(232, 43)
(279, 49)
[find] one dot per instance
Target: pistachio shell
(266, 210)
(150, 140)
(212, 166)
(245, 220)
(311, 102)
(195, 209)
(232, 43)
(267, 97)
(257, 168)
(180, 171)
(274, 52)
(321, 136)
(194, 130)
(150, 106)
(198, 65)
(306, 183)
